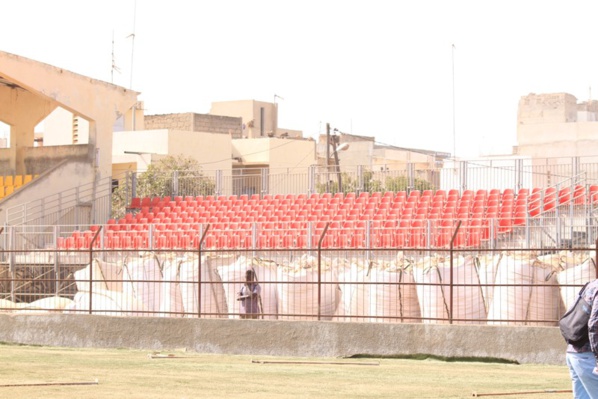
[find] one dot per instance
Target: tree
(170, 176)
(401, 183)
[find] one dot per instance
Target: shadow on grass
(423, 356)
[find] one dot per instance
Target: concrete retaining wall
(286, 338)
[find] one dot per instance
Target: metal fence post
(56, 271)
(199, 266)
(265, 181)
(133, 185)
(77, 199)
(218, 183)
(320, 270)
(359, 177)
(518, 174)
(311, 179)
(463, 175)
(411, 176)
(175, 182)
(451, 278)
(11, 261)
(91, 244)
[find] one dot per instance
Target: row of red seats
(283, 220)
(349, 234)
(387, 205)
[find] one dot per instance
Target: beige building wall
(390, 159)
(260, 119)
(212, 150)
(555, 125)
(206, 123)
(358, 153)
(363, 151)
(290, 156)
(275, 152)
(61, 127)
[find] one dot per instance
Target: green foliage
(370, 184)
(401, 183)
(159, 181)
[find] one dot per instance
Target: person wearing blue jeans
(583, 360)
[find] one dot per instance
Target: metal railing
(510, 285)
(80, 204)
(512, 173)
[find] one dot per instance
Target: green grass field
(124, 373)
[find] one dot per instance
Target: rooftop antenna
(454, 130)
(114, 67)
(132, 36)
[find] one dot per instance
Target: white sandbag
(112, 273)
(487, 269)
(142, 279)
(213, 301)
(354, 294)
(433, 302)
(171, 304)
(106, 303)
(468, 303)
(49, 304)
(298, 291)
(434, 293)
(573, 277)
(523, 295)
(233, 278)
(393, 294)
(7, 305)
(82, 277)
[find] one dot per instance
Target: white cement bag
(354, 294)
(142, 279)
(112, 273)
(49, 304)
(298, 293)
(432, 298)
(393, 294)
(573, 277)
(106, 303)
(487, 270)
(434, 294)
(523, 295)
(7, 305)
(82, 278)
(171, 304)
(213, 301)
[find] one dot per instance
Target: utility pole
(328, 157)
(337, 168)
(332, 140)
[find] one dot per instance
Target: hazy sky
(374, 68)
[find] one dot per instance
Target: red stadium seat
(579, 195)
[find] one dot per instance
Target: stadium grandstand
(326, 244)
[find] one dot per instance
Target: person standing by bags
(582, 355)
(250, 297)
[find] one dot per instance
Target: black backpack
(574, 323)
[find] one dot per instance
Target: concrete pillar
(98, 102)
(22, 111)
